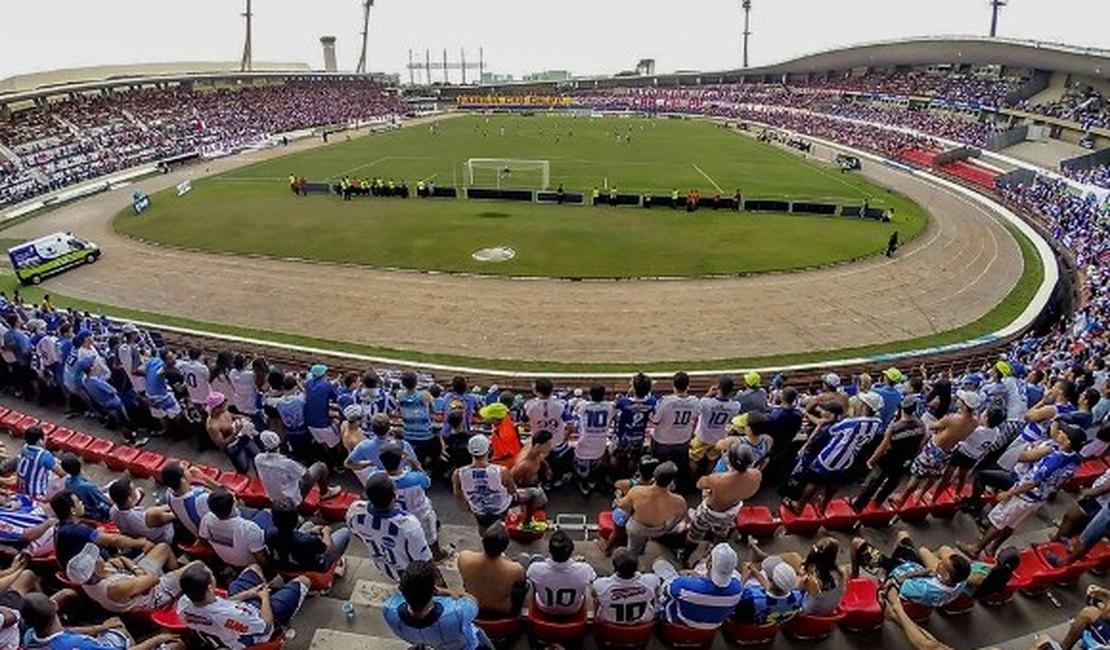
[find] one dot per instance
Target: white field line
(708, 178)
(355, 169)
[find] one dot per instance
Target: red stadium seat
(335, 508)
(10, 419)
(917, 613)
(76, 444)
(1001, 597)
(1062, 575)
(272, 644)
(502, 632)
(1032, 575)
(1098, 558)
(839, 515)
(319, 581)
(200, 550)
(255, 495)
(1088, 471)
(310, 503)
(97, 450)
(677, 635)
(4, 412)
(169, 620)
(20, 426)
(612, 635)
(962, 605)
(809, 627)
(748, 634)
(57, 438)
(806, 524)
(147, 464)
(210, 472)
(756, 521)
(516, 518)
(605, 524)
(233, 481)
(860, 606)
(914, 510)
(874, 515)
(946, 504)
(121, 457)
(556, 629)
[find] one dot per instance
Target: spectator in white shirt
(284, 478)
(627, 597)
(238, 541)
(154, 523)
(559, 583)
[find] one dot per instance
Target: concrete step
(336, 640)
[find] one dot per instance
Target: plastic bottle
(349, 610)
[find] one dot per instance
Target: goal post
(508, 172)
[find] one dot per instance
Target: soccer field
(251, 209)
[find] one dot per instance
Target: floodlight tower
(996, 8)
(366, 5)
(747, 6)
(246, 64)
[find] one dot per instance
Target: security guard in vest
(595, 195)
(674, 199)
(420, 189)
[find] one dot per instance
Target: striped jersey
(1036, 431)
(696, 602)
(416, 418)
(33, 470)
(846, 439)
(190, 508)
(394, 538)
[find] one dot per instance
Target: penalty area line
(355, 169)
(708, 178)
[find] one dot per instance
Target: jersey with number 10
(594, 421)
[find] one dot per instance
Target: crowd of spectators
(1098, 176)
(1083, 105)
(85, 137)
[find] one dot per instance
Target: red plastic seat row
(810, 627)
(335, 508)
(10, 419)
(566, 630)
(1088, 471)
(756, 521)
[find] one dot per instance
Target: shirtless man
(722, 496)
(654, 510)
(948, 432)
(495, 581)
(531, 465)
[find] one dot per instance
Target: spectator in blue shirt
(319, 395)
(97, 505)
(701, 601)
(890, 393)
(922, 577)
(45, 630)
(420, 617)
(771, 595)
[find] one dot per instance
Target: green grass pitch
(251, 210)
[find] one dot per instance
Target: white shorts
(427, 521)
(164, 407)
(327, 436)
(1012, 512)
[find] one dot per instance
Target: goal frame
(512, 164)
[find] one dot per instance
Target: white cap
(872, 400)
(478, 446)
(352, 412)
(971, 398)
(270, 440)
(784, 577)
(722, 564)
(81, 566)
(832, 379)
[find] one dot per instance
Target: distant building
(490, 78)
(547, 76)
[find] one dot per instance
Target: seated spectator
(25, 528)
(45, 630)
(559, 583)
(771, 595)
(1087, 505)
(988, 579)
(393, 537)
(495, 581)
(364, 458)
(1091, 625)
(232, 433)
(928, 579)
(654, 511)
(120, 585)
(249, 615)
(97, 505)
(418, 616)
(189, 503)
(820, 577)
(627, 597)
(9, 628)
(308, 547)
(705, 599)
(154, 523)
(71, 535)
(240, 542)
(284, 478)
(645, 475)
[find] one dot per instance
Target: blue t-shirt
(291, 410)
(925, 590)
(449, 626)
(1050, 473)
(155, 382)
(416, 419)
(18, 343)
(696, 602)
(370, 449)
(468, 403)
(101, 392)
(33, 470)
(892, 397)
(67, 640)
(70, 538)
(318, 396)
(633, 414)
(96, 504)
(760, 607)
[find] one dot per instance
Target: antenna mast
(246, 64)
(366, 4)
(747, 6)
(996, 9)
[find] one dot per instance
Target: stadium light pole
(366, 5)
(246, 64)
(747, 6)
(996, 8)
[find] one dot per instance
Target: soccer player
(633, 413)
(393, 537)
(559, 583)
(594, 419)
(627, 597)
(419, 616)
(547, 413)
(673, 420)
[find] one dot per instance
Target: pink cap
(214, 399)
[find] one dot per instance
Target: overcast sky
(584, 36)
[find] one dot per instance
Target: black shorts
(485, 521)
(962, 461)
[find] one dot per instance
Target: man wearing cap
(830, 392)
(899, 445)
(833, 464)
(393, 537)
(231, 433)
(505, 441)
(284, 478)
(754, 396)
(319, 395)
(1034, 486)
(121, 585)
(771, 595)
(948, 432)
(888, 390)
(723, 496)
(654, 511)
(705, 599)
(488, 490)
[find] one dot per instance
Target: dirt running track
(958, 270)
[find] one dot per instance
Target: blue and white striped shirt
(696, 602)
(847, 437)
(33, 471)
(394, 538)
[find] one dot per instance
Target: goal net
(508, 172)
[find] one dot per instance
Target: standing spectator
(633, 413)
(416, 408)
(547, 413)
(420, 617)
(319, 395)
(674, 419)
(754, 396)
(393, 537)
(898, 447)
(722, 497)
(411, 486)
(715, 411)
(593, 421)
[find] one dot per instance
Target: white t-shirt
(223, 619)
(630, 601)
(394, 539)
(9, 636)
(189, 509)
(234, 539)
(196, 380)
(47, 347)
(595, 419)
(548, 415)
(713, 418)
(674, 419)
(133, 522)
(484, 490)
(1099, 483)
(243, 391)
(980, 440)
(280, 476)
(127, 360)
(560, 587)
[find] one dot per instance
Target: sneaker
(332, 492)
(138, 441)
(534, 526)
